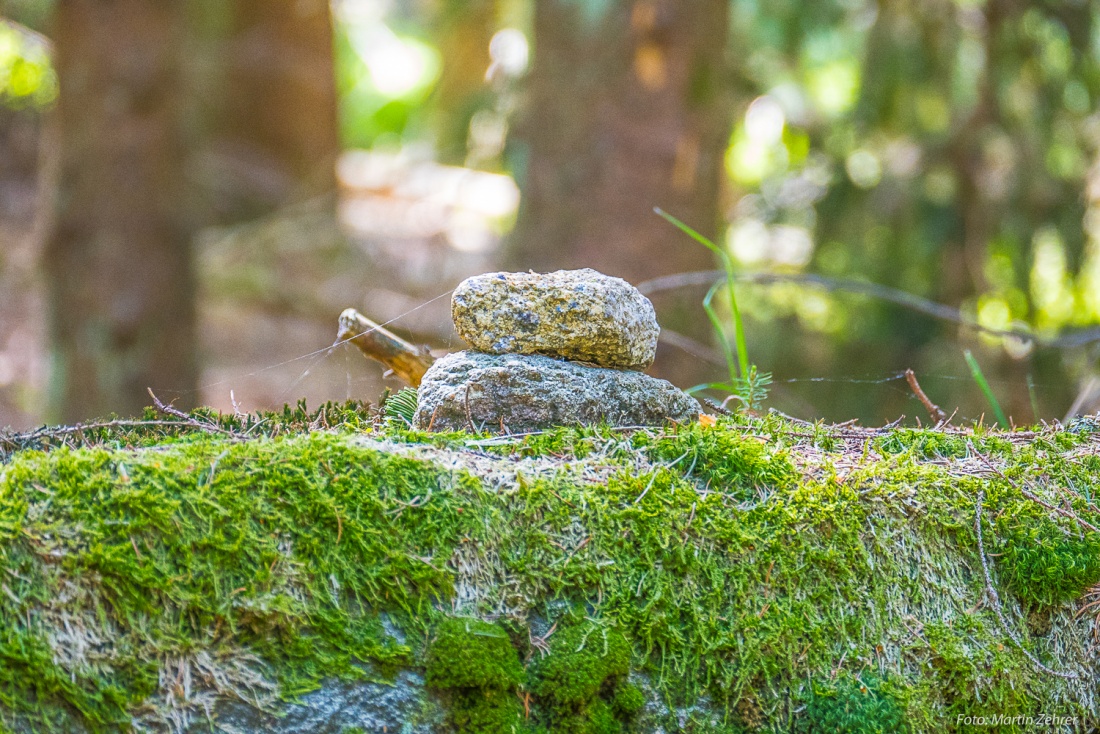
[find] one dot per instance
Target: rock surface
(515, 393)
(580, 315)
(335, 708)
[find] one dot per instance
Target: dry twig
(407, 361)
(934, 410)
(188, 419)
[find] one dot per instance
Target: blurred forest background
(192, 190)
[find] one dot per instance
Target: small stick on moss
(407, 361)
(934, 410)
(995, 599)
(720, 409)
(525, 698)
(187, 419)
(18, 441)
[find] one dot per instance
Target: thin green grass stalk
(716, 322)
(983, 384)
(727, 266)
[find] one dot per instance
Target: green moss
(211, 543)
(721, 457)
(476, 663)
(628, 699)
(932, 444)
(560, 442)
(852, 706)
(475, 660)
(583, 656)
(487, 711)
(733, 562)
(599, 718)
(1048, 565)
(469, 653)
(925, 444)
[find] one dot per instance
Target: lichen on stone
(579, 315)
(520, 393)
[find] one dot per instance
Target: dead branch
(934, 410)
(407, 361)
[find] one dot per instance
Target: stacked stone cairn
(556, 349)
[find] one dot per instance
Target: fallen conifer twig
(407, 361)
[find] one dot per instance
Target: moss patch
(754, 574)
(852, 706)
(1048, 565)
(475, 662)
(284, 552)
(469, 653)
(582, 658)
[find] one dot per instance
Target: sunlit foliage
(26, 77)
(904, 137)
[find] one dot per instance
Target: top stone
(580, 315)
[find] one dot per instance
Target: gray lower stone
(401, 707)
(515, 393)
(581, 315)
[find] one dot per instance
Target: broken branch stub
(407, 361)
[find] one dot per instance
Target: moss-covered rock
(852, 706)
(470, 653)
(475, 662)
(755, 575)
(582, 657)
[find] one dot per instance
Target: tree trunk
(275, 135)
(626, 110)
(120, 277)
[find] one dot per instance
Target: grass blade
(727, 266)
(983, 384)
(724, 342)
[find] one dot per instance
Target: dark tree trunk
(625, 112)
(275, 136)
(121, 283)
